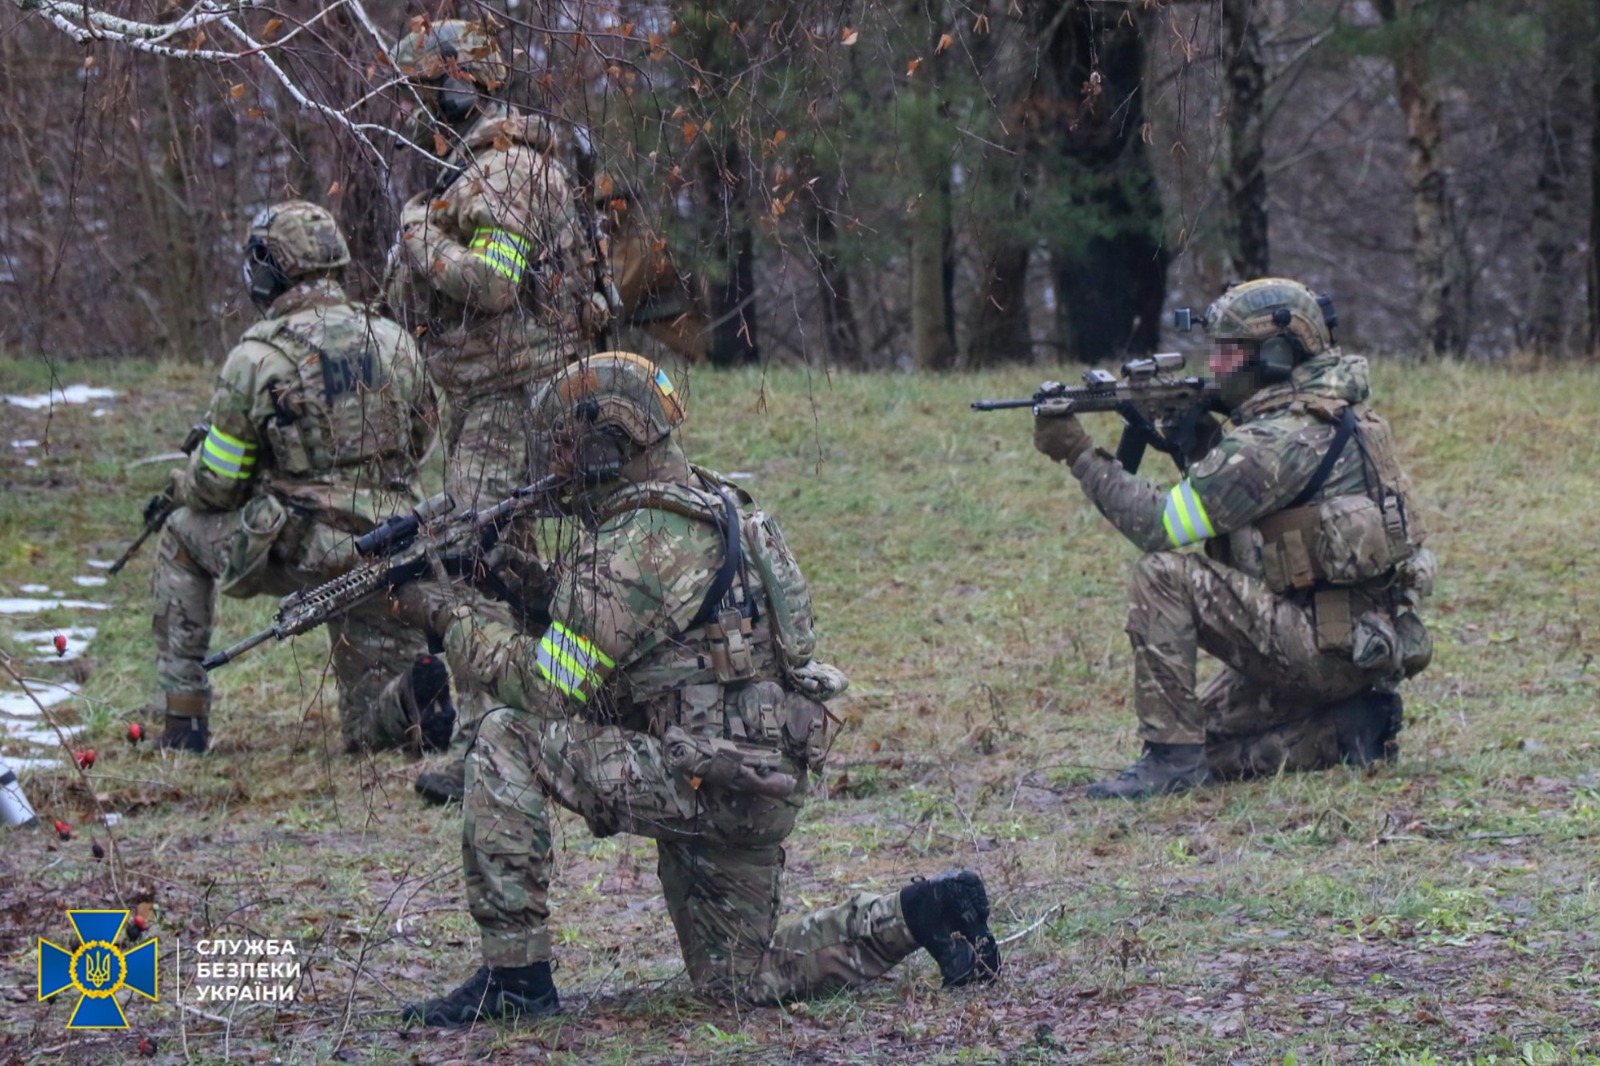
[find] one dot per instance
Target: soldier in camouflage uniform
(496, 273)
(321, 415)
(673, 695)
(1312, 567)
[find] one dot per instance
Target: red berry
(61, 644)
(135, 732)
(63, 830)
(84, 758)
(147, 1046)
(139, 923)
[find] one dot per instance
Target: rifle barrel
(1000, 405)
(227, 655)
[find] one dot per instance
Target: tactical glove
(1057, 432)
(424, 606)
(436, 715)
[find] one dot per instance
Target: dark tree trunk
(833, 281)
(999, 227)
(1245, 180)
(1594, 192)
(725, 234)
(1441, 261)
(1110, 274)
(1546, 328)
(1000, 331)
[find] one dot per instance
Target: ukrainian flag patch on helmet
(663, 382)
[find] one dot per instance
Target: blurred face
(1229, 356)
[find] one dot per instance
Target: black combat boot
(1163, 768)
(948, 916)
(493, 994)
(188, 723)
(1368, 727)
(444, 783)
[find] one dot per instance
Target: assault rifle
(160, 506)
(1159, 409)
(432, 538)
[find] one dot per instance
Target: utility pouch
(728, 646)
(1287, 539)
(289, 453)
(261, 520)
(725, 764)
(1359, 539)
(1416, 643)
(1374, 644)
(1331, 612)
(805, 737)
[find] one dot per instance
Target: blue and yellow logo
(97, 970)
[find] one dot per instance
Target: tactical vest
(1340, 538)
(346, 409)
(728, 676)
(1355, 553)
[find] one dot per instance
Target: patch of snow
(12, 605)
(89, 580)
(70, 394)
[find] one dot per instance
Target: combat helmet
(455, 60)
(1289, 322)
(290, 242)
(606, 409)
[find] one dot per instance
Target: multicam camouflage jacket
(324, 405)
(622, 632)
(1258, 468)
(493, 269)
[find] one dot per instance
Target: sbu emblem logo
(98, 970)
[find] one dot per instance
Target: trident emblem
(97, 970)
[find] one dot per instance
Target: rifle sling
(732, 563)
(1347, 427)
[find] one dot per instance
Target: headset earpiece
(263, 277)
(1282, 351)
(457, 99)
(600, 454)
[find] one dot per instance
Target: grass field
(1439, 910)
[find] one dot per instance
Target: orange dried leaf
(689, 130)
(849, 37)
(88, 61)
(254, 112)
(440, 145)
(779, 137)
(237, 91)
(694, 783)
(335, 189)
(945, 41)
(911, 68)
(272, 27)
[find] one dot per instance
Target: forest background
(885, 185)
(858, 188)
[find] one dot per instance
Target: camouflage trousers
(487, 456)
(370, 651)
(720, 861)
(1265, 710)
